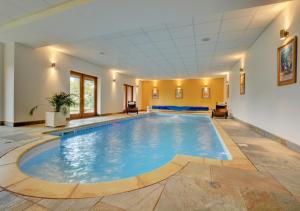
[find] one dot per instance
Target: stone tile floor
(276, 186)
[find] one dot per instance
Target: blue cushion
(181, 108)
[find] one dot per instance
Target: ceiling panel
(157, 44)
(229, 36)
(10, 11)
(182, 32)
(159, 35)
(207, 28)
(236, 24)
(226, 45)
(14, 9)
(260, 21)
(240, 13)
(184, 42)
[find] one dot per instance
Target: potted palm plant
(60, 104)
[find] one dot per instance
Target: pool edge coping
(14, 180)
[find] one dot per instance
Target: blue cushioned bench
(181, 108)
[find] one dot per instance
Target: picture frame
(287, 63)
(206, 93)
(178, 93)
(242, 83)
(155, 93)
(227, 91)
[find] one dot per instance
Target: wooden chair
(131, 107)
(220, 111)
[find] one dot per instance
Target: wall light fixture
(283, 34)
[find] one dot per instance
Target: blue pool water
(126, 148)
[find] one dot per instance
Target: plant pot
(55, 119)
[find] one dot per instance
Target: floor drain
(215, 185)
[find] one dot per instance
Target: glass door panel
(75, 92)
(129, 93)
(89, 96)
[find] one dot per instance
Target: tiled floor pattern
(276, 186)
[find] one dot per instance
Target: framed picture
(287, 63)
(242, 83)
(206, 92)
(155, 93)
(179, 93)
(227, 90)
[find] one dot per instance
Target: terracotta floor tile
(105, 207)
(141, 199)
(186, 193)
(196, 170)
(9, 201)
(246, 179)
(36, 207)
(265, 200)
(77, 204)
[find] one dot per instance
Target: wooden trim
(126, 96)
(126, 86)
(294, 79)
(19, 124)
(84, 77)
(108, 114)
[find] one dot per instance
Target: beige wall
(8, 82)
(192, 92)
(266, 105)
(33, 80)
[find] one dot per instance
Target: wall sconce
(283, 34)
(137, 83)
(53, 64)
(114, 77)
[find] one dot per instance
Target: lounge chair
(220, 111)
(131, 107)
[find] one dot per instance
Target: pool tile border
(14, 180)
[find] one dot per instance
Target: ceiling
(157, 39)
(14, 9)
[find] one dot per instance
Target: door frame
(126, 86)
(82, 77)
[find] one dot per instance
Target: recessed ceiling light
(205, 39)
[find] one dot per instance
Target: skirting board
(19, 124)
(271, 136)
(108, 114)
